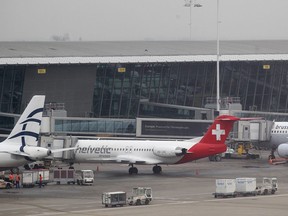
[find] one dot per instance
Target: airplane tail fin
(219, 130)
(26, 131)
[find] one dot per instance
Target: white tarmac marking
(162, 204)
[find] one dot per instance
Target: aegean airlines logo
(218, 132)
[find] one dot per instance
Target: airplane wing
(18, 153)
(126, 159)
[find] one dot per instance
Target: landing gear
(272, 155)
(133, 170)
(15, 170)
(157, 169)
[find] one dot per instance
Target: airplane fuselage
(9, 160)
(279, 133)
(139, 151)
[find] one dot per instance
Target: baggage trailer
(114, 199)
(246, 187)
(31, 177)
(64, 176)
(225, 188)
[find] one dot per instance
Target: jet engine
(283, 150)
(37, 153)
(169, 151)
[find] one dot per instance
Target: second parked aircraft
(135, 152)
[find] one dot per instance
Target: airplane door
(246, 132)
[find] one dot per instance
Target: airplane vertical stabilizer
(219, 130)
(26, 131)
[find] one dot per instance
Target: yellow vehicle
(5, 184)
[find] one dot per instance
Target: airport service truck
(269, 186)
(85, 177)
(244, 187)
(70, 176)
(140, 196)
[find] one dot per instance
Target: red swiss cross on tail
(219, 130)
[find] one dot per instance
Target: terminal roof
(139, 51)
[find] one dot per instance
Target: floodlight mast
(190, 3)
(218, 65)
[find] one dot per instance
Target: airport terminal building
(129, 80)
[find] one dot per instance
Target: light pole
(218, 65)
(190, 3)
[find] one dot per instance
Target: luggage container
(225, 188)
(31, 177)
(246, 186)
(64, 176)
(114, 199)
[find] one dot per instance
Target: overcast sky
(117, 20)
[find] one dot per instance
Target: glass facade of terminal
(124, 90)
(95, 126)
(11, 87)
(131, 90)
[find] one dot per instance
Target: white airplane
(20, 147)
(279, 139)
(156, 152)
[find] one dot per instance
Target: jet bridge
(253, 131)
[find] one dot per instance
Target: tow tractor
(86, 177)
(269, 186)
(140, 196)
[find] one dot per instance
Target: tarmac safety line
(63, 212)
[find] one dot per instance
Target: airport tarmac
(184, 189)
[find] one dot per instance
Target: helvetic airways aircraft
(20, 147)
(156, 152)
(279, 139)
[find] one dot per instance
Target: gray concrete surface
(180, 190)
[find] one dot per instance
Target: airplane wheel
(133, 170)
(157, 169)
(218, 158)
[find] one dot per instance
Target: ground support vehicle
(113, 199)
(85, 177)
(225, 188)
(244, 187)
(31, 177)
(5, 184)
(70, 176)
(269, 186)
(140, 196)
(64, 176)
